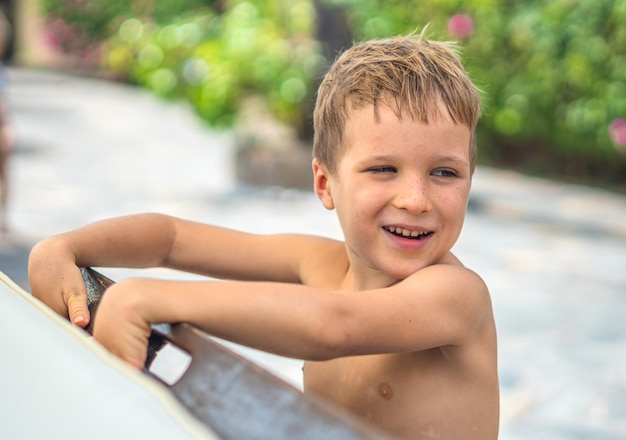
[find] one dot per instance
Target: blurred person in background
(6, 141)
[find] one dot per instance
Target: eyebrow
(382, 158)
(453, 159)
(385, 158)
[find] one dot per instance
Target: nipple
(385, 390)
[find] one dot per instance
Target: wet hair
(411, 75)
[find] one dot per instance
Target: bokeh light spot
(293, 90)
(119, 58)
(163, 80)
(508, 121)
(461, 26)
(131, 30)
(195, 71)
(151, 56)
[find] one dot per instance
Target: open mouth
(407, 233)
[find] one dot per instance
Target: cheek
(454, 203)
(367, 202)
(359, 206)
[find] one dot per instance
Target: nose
(413, 196)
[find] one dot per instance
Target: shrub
(212, 58)
(553, 73)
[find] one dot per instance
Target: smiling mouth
(407, 233)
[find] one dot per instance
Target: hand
(120, 325)
(57, 282)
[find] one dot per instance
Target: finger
(126, 346)
(136, 359)
(78, 311)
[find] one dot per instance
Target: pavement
(552, 254)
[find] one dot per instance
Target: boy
(390, 324)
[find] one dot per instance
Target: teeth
(405, 232)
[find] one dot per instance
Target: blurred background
(202, 109)
(553, 73)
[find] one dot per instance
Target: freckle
(385, 391)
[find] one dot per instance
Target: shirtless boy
(390, 324)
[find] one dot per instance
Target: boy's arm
(150, 240)
(440, 306)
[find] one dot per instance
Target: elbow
(330, 347)
(334, 337)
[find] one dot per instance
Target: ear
(321, 184)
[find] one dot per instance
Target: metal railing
(233, 396)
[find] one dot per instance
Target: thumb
(77, 309)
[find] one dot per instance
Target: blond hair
(410, 74)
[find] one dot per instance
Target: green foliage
(95, 20)
(190, 50)
(553, 72)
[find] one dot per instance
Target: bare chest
(417, 395)
(383, 389)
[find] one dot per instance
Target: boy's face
(400, 190)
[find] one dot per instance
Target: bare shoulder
(456, 295)
(451, 277)
(323, 262)
(463, 284)
(306, 259)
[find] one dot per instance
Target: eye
(381, 170)
(443, 172)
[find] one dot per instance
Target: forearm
(285, 319)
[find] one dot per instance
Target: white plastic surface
(58, 383)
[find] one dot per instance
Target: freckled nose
(414, 197)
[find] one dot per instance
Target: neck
(359, 279)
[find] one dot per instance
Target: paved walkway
(552, 254)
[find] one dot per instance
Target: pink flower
(461, 26)
(617, 131)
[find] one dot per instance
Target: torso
(445, 393)
(419, 395)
